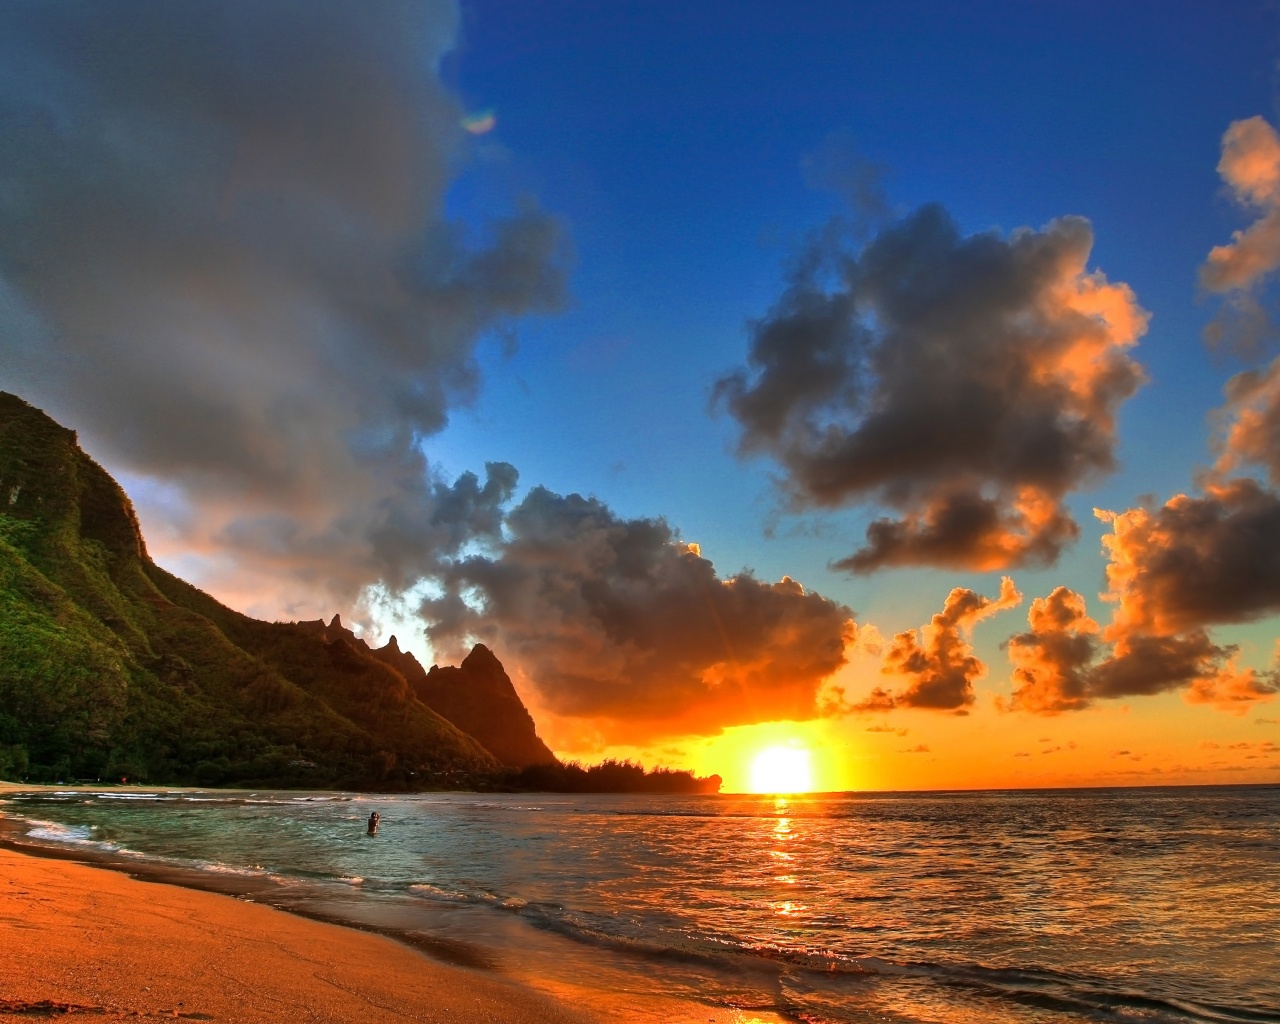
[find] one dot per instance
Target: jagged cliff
(478, 697)
(112, 667)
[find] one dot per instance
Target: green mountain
(111, 667)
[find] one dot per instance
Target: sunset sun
(781, 770)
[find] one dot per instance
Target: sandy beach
(121, 940)
(84, 940)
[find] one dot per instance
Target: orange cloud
(1195, 561)
(1171, 572)
(1250, 166)
(1231, 689)
(1251, 434)
(936, 661)
(967, 384)
(1052, 660)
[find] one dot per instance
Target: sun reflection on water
(783, 834)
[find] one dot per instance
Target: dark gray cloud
(1196, 561)
(965, 383)
(618, 621)
(838, 166)
(1143, 665)
(1061, 663)
(224, 257)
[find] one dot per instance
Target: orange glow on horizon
(1161, 740)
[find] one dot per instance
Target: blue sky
(672, 139)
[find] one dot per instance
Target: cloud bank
(966, 383)
(1065, 663)
(1173, 572)
(617, 621)
(225, 258)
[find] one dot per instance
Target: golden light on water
(781, 770)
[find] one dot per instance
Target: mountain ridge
(112, 667)
(476, 696)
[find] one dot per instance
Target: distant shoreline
(104, 787)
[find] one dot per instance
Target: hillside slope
(111, 667)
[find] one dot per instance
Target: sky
(890, 383)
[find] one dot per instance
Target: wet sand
(84, 940)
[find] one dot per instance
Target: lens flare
(781, 770)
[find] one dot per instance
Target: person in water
(374, 819)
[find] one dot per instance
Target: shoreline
(236, 912)
(86, 939)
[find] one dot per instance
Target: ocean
(1152, 905)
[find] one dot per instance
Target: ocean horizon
(1004, 906)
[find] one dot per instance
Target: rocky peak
(479, 698)
(482, 660)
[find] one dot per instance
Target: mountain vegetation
(112, 668)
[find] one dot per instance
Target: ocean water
(1153, 905)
